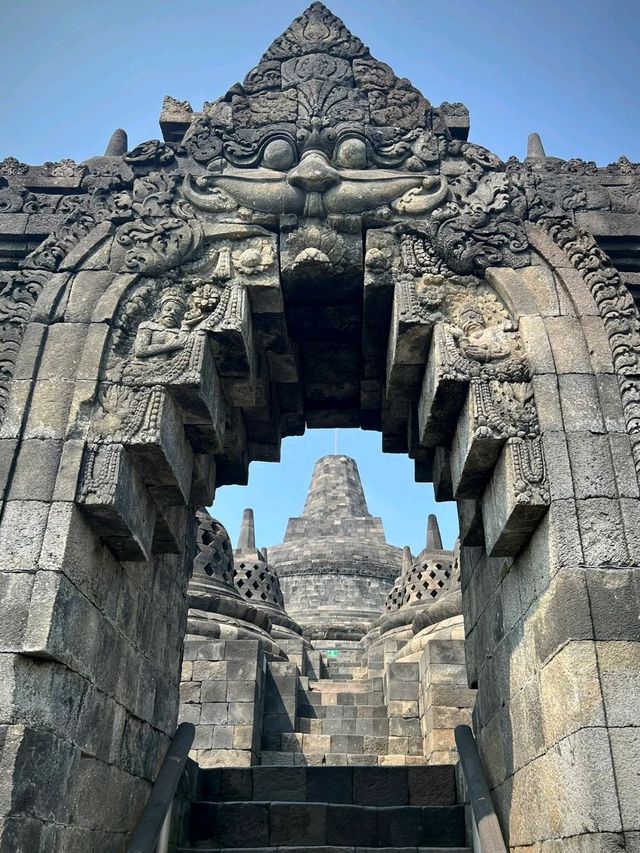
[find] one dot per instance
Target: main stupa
(335, 565)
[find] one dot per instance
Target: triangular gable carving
(319, 79)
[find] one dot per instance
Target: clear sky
(74, 70)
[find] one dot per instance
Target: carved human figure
(480, 342)
(167, 333)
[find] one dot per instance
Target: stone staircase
(324, 808)
(341, 719)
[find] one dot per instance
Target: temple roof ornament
(319, 84)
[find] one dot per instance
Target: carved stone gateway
(322, 247)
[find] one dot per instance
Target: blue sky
(73, 70)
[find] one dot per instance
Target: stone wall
(88, 706)
(222, 694)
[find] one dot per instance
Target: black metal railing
(487, 835)
(152, 833)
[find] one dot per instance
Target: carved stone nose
(314, 173)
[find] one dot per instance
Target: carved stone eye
(351, 154)
(278, 155)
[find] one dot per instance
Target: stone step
(331, 685)
(260, 824)
(314, 849)
(341, 676)
(340, 698)
(340, 759)
(342, 726)
(327, 743)
(355, 744)
(338, 712)
(310, 709)
(428, 785)
(360, 726)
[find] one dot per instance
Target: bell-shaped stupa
(335, 565)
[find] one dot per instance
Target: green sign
(333, 653)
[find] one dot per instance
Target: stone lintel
(475, 447)
(442, 396)
(235, 358)
(470, 522)
(407, 350)
(511, 507)
(112, 494)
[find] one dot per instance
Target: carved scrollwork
(64, 169)
(99, 475)
(171, 105)
(55, 248)
(316, 30)
(19, 291)
(617, 309)
(151, 248)
(530, 481)
(475, 228)
(152, 154)
(11, 167)
(16, 200)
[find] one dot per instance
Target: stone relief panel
(474, 402)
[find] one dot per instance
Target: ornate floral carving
(99, 475)
(623, 166)
(10, 167)
(317, 72)
(55, 248)
(317, 30)
(478, 228)
(453, 109)
(19, 291)
(63, 169)
(15, 200)
(152, 154)
(255, 258)
(617, 309)
(530, 470)
(173, 105)
(153, 247)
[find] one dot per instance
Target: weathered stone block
(516, 498)
(619, 667)
(442, 395)
(113, 496)
(302, 824)
(475, 448)
(15, 600)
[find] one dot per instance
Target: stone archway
(322, 247)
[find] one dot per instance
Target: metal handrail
(152, 833)
(487, 835)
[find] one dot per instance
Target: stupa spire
(336, 489)
(407, 561)
(118, 144)
(247, 538)
(434, 540)
(535, 147)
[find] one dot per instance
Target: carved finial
(535, 148)
(407, 561)
(118, 144)
(247, 538)
(434, 541)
